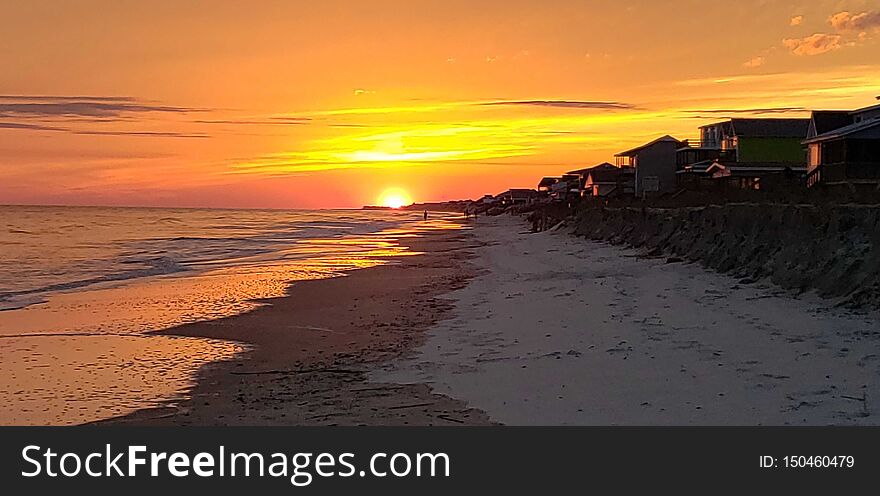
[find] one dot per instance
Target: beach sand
(499, 325)
(560, 330)
(311, 350)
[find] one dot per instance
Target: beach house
(654, 164)
(763, 176)
(758, 140)
(518, 196)
(583, 173)
(546, 183)
(844, 149)
(693, 160)
(607, 182)
(566, 188)
(750, 153)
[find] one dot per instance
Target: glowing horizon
(294, 105)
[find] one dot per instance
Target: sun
(394, 198)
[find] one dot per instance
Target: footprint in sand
(867, 360)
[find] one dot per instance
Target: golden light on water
(395, 198)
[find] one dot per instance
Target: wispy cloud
(766, 110)
(569, 104)
(271, 121)
(80, 132)
(81, 108)
(32, 127)
(704, 113)
(154, 134)
(58, 98)
(43, 112)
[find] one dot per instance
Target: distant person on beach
(426, 215)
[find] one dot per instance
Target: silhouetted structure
(654, 163)
(566, 189)
(606, 180)
(583, 173)
(844, 152)
(743, 153)
(518, 196)
(758, 140)
(546, 183)
(764, 176)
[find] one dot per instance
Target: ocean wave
(74, 248)
(154, 267)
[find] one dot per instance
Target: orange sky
(327, 104)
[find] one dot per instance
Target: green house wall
(771, 150)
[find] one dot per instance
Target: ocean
(81, 289)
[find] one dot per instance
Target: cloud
(845, 21)
(47, 106)
(758, 111)
(32, 112)
(571, 104)
(850, 30)
(271, 121)
(814, 44)
(154, 134)
(80, 109)
(55, 98)
(32, 127)
(755, 62)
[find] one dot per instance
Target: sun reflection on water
(85, 355)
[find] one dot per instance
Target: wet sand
(310, 351)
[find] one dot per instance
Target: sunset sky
(305, 104)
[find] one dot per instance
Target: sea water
(82, 287)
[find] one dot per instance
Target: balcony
(693, 155)
(624, 161)
(848, 172)
(696, 143)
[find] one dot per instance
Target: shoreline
(311, 350)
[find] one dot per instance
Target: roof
(608, 175)
(770, 128)
(846, 131)
(521, 192)
(698, 167)
(743, 167)
(771, 165)
(829, 120)
(548, 181)
(866, 109)
(662, 139)
(580, 172)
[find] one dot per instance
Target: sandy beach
(558, 330)
(311, 350)
(499, 325)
